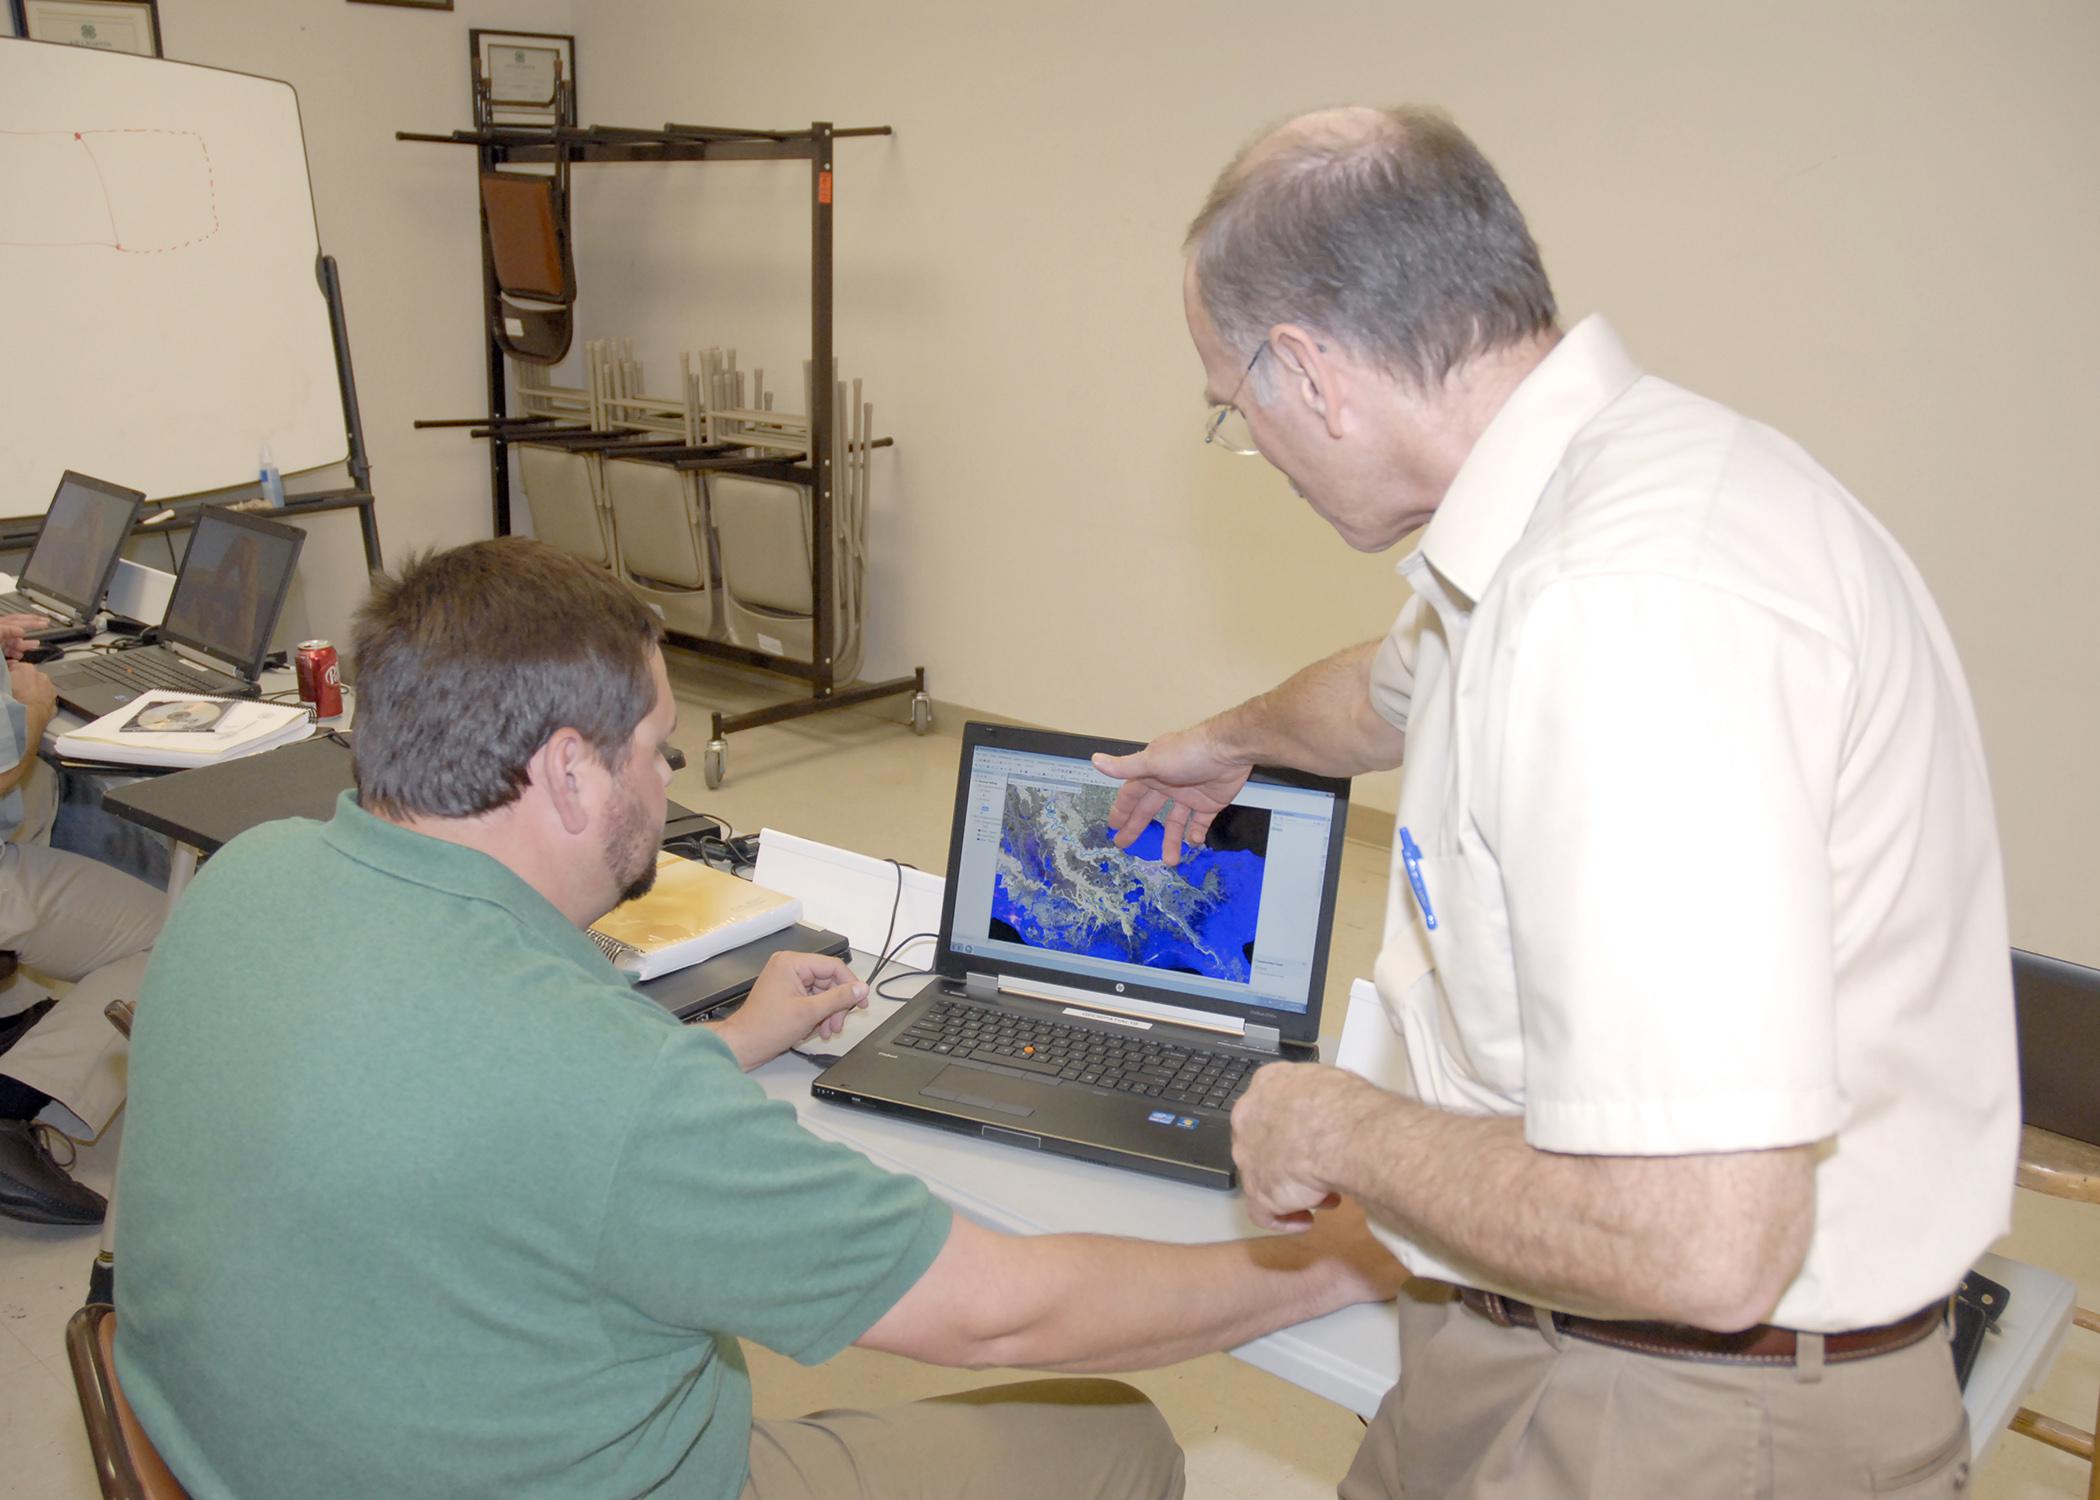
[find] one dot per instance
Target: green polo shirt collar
(455, 870)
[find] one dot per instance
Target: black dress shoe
(36, 1189)
(13, 1028)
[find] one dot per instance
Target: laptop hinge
(205, 661)
(981, 986)
(1263, 1038)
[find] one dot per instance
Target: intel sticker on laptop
(1168, 1117)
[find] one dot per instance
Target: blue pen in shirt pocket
(1411, 855)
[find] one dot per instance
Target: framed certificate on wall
(529, 76)
(106, 25)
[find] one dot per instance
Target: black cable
(882, 961)
(710, 849)
(719, 847)
(896, 900)
(902, 944)
(883, 988)
(825, 1060)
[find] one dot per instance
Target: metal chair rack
(815, 468)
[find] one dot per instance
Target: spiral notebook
(693, 912)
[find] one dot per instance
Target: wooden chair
(126, 1464)
(2062, 1168)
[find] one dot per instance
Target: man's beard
(630, 849)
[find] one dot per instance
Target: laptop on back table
(216, 633)
(1091, 1001)
(74, 556)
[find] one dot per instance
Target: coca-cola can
(320, 678)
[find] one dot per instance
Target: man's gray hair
(1385, 230)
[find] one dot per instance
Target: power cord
(896, 900)
(712, 841)
(883, 989)
(875, 981)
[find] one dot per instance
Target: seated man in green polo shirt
(422, 1199)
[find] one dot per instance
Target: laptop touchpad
(1010, 1096)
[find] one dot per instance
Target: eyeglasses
(1227, 426)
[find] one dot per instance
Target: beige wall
(1870, 223)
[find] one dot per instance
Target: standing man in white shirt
(1709, 1092)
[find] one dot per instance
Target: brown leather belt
(1761, 1345)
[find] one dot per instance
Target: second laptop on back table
(215, 636)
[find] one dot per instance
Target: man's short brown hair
(469, 660)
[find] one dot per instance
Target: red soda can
(320, 678)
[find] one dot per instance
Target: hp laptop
(216, 634)
(2058, 1003)
(73, 557)
(1092, 1001)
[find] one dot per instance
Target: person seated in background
(422, 1179)
(69, 918)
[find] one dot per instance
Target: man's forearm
(1708, 1240)
(1319, 720)
(1094, 1302)
(1170, 1303)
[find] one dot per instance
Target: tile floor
(859, 778)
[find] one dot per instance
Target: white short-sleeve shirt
(1704, 826)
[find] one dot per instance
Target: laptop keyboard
(146, 669)
(18, 604)
(1153, 1069)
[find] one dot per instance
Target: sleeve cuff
(1710, 1123)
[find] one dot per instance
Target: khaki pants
(74, 919)
(1495, 1413)
(1040, 1440)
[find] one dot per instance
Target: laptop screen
(1037, 888)
(76, 548)
(232, 585)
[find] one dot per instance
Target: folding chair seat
(660, 515)
(764, 527)
(562, 498)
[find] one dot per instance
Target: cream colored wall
(1871, 224)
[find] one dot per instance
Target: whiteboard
(160, 315)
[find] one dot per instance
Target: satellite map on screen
(1062, 883)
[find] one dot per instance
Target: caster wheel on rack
(711, 763)
(921, 713)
